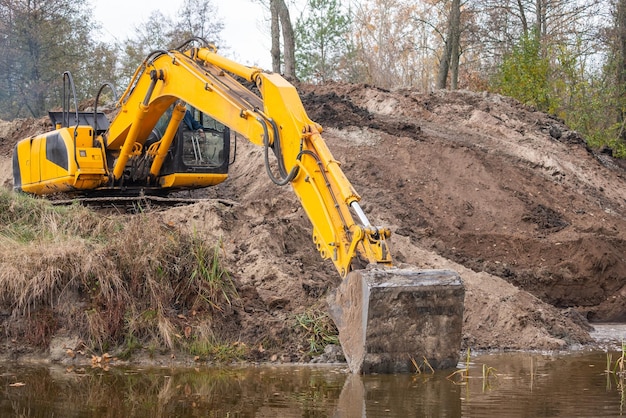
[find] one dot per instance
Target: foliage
(41, 40)
(38, 42)
(321, 40)
(213, 285)
(396, 42)
(555, 80)
(154, 33)
(525, 75)
(319, 329)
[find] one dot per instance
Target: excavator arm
(274, 119)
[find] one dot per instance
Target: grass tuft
(319, 330)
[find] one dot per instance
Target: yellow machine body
(122, 156)
(60, 161)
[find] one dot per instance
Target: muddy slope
(499, 188)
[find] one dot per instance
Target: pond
(490, 385)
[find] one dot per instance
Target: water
(522, 385)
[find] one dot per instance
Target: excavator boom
(276, 120)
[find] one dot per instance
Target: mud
(510, 198)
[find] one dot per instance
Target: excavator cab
(199, 152)
(197, 157)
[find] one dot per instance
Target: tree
(450, 57)
(39, 40)
(194, 18)
(386, 37)
(281, 22)
(524, 75)
(321, 40)
(197, 18)
(102, 68)
(156, 32)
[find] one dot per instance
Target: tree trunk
(541, 10)
(455, 49)
(444, 65)
(275, 33)
(450, 57)
(522, 14)
(289, 44)
(621, 61)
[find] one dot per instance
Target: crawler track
(134, 203)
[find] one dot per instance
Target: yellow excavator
(148, 147)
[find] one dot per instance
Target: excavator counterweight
(388, 317)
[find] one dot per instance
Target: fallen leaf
(17, 384)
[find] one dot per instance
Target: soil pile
(509, 197)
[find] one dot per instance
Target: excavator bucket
(395, 320)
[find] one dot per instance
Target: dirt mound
(497, 187)
(507, 196)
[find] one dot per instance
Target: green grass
(319, 330)
(212, 283)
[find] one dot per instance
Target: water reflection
(118, 392)
(399, 396)
(522, 385)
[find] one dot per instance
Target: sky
(245, 38)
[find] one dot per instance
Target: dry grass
(113, 280)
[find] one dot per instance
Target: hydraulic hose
(266, 145)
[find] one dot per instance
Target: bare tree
(280, 18)
(385, 35)
(450, 57)
(158, 31)
(620, 28)
(197, 18)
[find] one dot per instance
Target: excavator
(386, 316)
